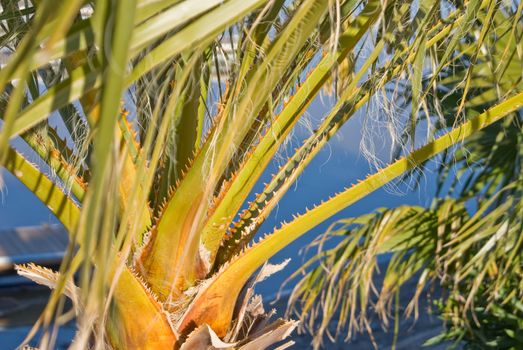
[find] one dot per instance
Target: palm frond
(168, 113)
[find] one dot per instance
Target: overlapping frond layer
(215, 298)
(176, 238)
(264, 151)
(213, 89)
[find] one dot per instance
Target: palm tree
(154, 120)
(468, 242)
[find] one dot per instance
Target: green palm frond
(445, 244)
(469, 245)
(154, 121)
